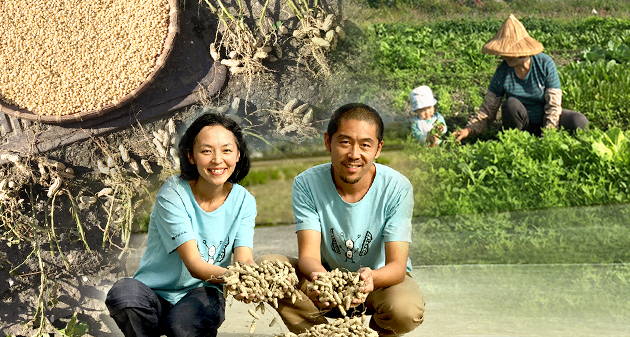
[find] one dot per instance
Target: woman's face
(515, 61)
(215, 154)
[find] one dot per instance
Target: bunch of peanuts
(269, 281)
(339, 287)
(342, 327)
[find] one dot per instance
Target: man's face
(353, 149)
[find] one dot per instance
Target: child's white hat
(422, 97)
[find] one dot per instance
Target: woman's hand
(247, 299)
(461, 134)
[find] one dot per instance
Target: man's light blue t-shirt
(354, 234)
(177, 218)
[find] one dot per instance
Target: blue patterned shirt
(530, 90)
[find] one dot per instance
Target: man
(355, 214)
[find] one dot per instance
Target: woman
(201, 221)
(529, 80)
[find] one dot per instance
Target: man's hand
(314, 294)
(367, 276)
(461, 134)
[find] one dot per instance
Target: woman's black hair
(186, 144)
(358, 111)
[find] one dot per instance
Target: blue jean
(139, 311)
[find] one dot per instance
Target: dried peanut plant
(293, 121)
(240, 48)
(318, 33)
(34, 190)
(123, 179)
(22, 209)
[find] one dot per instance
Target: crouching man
(355, 215)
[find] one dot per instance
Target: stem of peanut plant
(109, 216)
(294, 9)
(262, 14)
(126, 232)
(225, 10)
(53, 235)
(75, 214)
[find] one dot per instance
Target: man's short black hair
(357, 111)
(186, 144)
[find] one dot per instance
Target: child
(427, 124)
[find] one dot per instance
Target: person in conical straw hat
(525, 86)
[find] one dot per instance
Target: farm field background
(507, 197)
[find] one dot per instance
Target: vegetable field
(466, 195)
(591, 55)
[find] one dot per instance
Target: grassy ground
(586, 234)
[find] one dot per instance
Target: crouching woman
(201, 221)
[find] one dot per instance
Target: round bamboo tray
(173, 29)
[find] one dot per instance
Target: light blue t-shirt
(177, 218)
(354, 234)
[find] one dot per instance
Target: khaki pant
(395, 310)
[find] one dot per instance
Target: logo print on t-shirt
(365, 247)
(213, 250)
(349, 243)
(222, 254)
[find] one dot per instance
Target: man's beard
(350, 181)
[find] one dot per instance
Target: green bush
(520, 171)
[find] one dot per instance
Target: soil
(80, 286)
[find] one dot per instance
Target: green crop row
(521, 171)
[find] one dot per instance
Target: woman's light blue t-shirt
(177, 218)
(354, 234)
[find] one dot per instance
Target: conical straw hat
(512, 40)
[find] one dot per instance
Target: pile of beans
(269, 281)
(60, 57)
(339, 287)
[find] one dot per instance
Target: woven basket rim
(173, 30)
